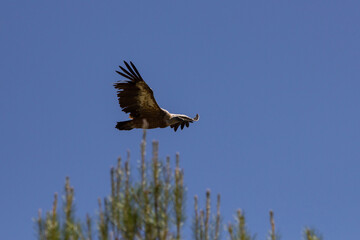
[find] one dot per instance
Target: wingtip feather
(135, 69)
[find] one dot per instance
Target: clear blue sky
(276, 84)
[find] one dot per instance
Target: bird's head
(179, 118)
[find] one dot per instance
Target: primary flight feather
(137, 99)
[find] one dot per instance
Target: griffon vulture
(137, 99)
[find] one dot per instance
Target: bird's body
(137, 99)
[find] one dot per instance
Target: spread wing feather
(135, 96)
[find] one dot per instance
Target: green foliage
(310, 234)
(272, 233)
(205, 227)
(151, 208)
(52, 228)
(239, 231)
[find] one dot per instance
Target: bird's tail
(126, 125)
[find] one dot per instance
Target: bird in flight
(137, 99)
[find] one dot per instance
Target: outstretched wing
(183, 121)
(135, 96)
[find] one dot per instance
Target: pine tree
(151, 208)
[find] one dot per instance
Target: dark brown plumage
(137, 99)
